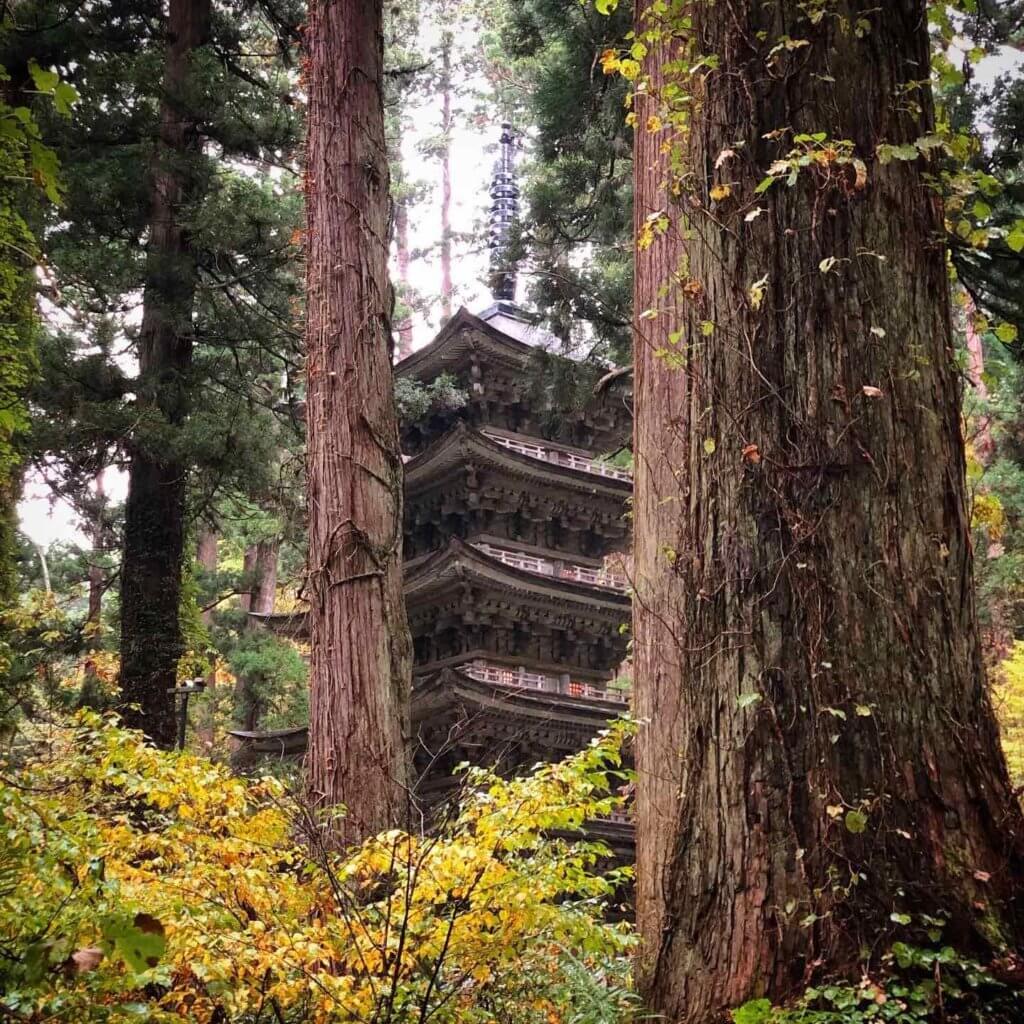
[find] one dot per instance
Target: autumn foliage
(142, 885)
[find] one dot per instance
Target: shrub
(142, 885)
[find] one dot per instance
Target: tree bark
(151, 641)
(97, 577)
(206, 558)
(446, 176)
(360, 664)
(261, 563)
(817, 749)
(402, 242)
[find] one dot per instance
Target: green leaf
(140, 941)
(45, 169)
(757, 1011)
(606, 6)
(65, 96)
(745, 700)
(44, 81)
(1015, 239)
(900, 918)
(1006, 333)
(709, 446)
(856, 822)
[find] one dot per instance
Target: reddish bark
(818, 751)
(360, 665)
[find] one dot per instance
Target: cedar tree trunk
(97, 577)
(446, 177)
(261, 563)
(402, 244)
(817, 749)
(360, 664)
(151, 641)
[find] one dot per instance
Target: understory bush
(142, 885)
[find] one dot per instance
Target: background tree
(360, 667)
(544, 67)
(819, 769)
(99, 402)
(154, 531)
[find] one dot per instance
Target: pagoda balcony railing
(621, 815)
(607, 578)
(561, 458)
(522, 679)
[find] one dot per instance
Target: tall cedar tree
(155, 510)
(818, 756)
(360, 665)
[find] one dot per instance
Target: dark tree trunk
(360, 665)
(151, 641)
(446, 176)
(818, 750)
(402, 242)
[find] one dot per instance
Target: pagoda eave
(463, 446)
(460, 565)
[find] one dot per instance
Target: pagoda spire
(504, 213)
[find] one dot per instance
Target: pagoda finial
(504, 213)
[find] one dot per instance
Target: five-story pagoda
(517, 605)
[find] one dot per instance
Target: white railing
(561, 458)
(545, 567)
(521, 679)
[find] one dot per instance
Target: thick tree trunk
(817, 751)
(446, 176)
(360, 665)
(151, 641)
(402, 242)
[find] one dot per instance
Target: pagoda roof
(427, 577)
(450, 686)
(461, 562)
(291, 625)
(460, 444)
(465, 334)
(449, 693)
